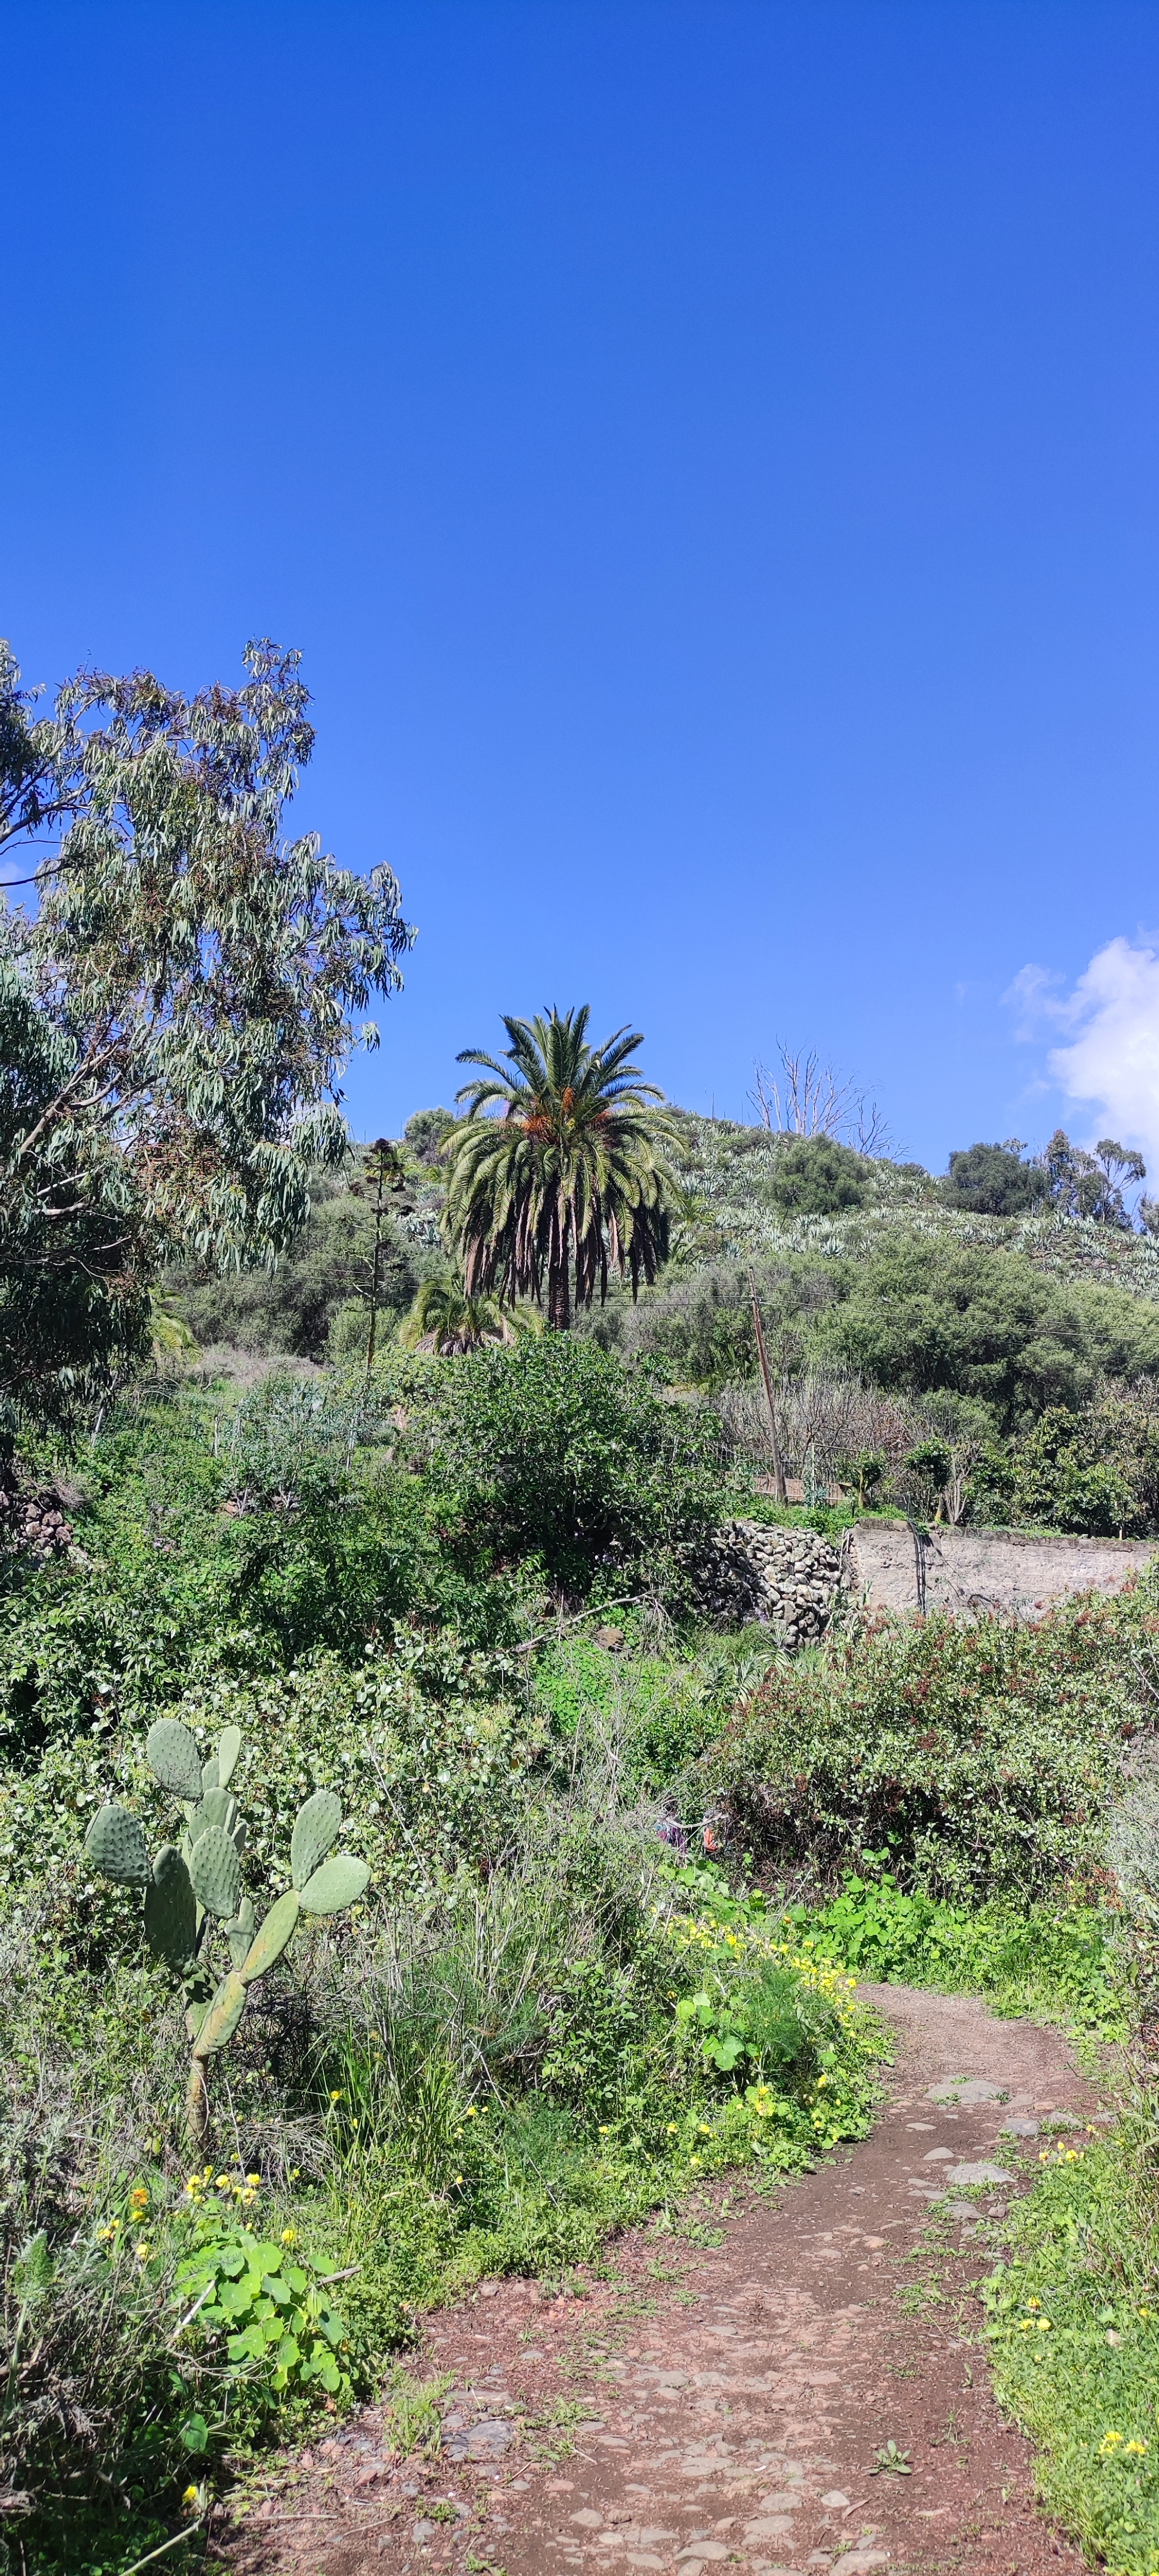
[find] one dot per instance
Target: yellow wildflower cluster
(750, 1948)
(1113, 2447)
(240, 2188)
(1063, 2155)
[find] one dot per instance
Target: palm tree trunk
(559, 1279)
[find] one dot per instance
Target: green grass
(1074, 2342)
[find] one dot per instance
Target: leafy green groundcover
(1074, 2342)
(1051, 1960)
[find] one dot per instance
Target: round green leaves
(173, 1756)
(116, 1846)
(315, 1830)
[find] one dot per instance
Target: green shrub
(558, 1452)
(816, 1176)
(918, 1313)
(980, 1758)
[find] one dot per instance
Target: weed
(413, 2410)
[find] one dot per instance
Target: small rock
(611, 1638)
(979, 2173)
(968, 2088)
(1019, 2129)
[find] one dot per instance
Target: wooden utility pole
(778, 1469)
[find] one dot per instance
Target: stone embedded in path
(979, 2173)
(1019, 2129)
(968, 2089)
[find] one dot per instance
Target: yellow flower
(1043, 2324)
(191, 2496)
(253, 2181)
(670, 2131)
(223, 2182)
(1138, 2447)
(1026, 2325)
(143, 2251)
(335, 2097)
(139, 2199)
(289, 2236)
(603, 2131)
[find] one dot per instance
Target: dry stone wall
(792, 1578)
(787, 1577)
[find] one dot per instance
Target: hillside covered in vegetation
(413, 1868)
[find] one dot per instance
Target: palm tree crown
(452, 1322)
(570, 1178)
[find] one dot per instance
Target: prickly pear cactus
(171, 1911)
(316, 1828)
(116, 1846)
(339, 1883)
(171, 1752)
(193, 1890)
(215, 1870)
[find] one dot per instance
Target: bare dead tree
(810, 1098)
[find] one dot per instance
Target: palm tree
(453, 1322)
(570, 1179)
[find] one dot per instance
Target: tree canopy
(177, 1000)
(571, 1179)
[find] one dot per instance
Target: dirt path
(725, 2406)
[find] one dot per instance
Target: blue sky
(707, 456)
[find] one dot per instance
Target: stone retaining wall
(973, 1570)
(791, 1577)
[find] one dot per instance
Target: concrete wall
(974, 1569)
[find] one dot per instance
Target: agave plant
(191, 1885)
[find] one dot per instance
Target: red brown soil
(731, 2401)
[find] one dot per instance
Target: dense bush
(556, 1451)
(979, 1759)
(921, 1314)
(1096, 1470)
(816, 1176)
(292, 1306)
(994, 1181)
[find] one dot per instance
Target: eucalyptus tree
(572, 1176)
(175, 1004)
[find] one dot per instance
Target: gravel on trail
(807, 2394)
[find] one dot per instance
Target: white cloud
(1112, 1058)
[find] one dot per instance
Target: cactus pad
(116, 1846)
(339, 1882)
(173, 1756)
(170, 1909)
(215, 1872)
(272, 1938)
(228, 1749)
(240, 1932)
(209, 1774)
(223, 2016)
(215, 1808)
(315, 1830)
